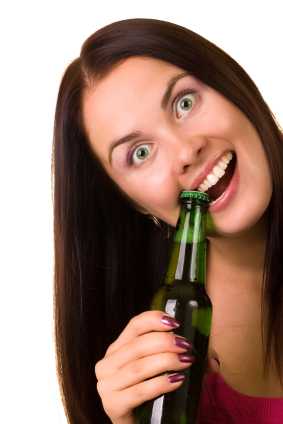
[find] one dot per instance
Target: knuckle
(169, 360)
(136, 320)
(132, 321)
(157, 385)
(147, 319)
(103, 389)
(138, 393)
(147, 316)
(155, 317)
(132, 344)
(136, 368)
(100, 388)
(164, 338)
(110, 349)
(97, 369)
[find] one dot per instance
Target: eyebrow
(126, 139)
(164, 104)
(170, 86)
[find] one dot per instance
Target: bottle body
(184, 297)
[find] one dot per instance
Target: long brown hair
(110, 258)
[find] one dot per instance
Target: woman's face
(158, 131)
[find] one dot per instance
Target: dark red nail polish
(176, 377)
(183, 343)
(170, 321)
(189, 359)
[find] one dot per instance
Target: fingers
(213, 363)
(125, 401)
(141, 324)
(145, 368)
(127, 374)
(146, 345)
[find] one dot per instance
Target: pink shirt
(223, 405)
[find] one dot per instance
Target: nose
(187, 152)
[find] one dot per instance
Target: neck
(238, 258)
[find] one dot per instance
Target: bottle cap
(195, 195)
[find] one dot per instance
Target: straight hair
(109, 257)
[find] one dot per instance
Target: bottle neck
(188, 252)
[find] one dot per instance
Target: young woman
(150, 109)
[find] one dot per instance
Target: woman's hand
(140, 354)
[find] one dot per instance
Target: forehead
(134, 76)
(147, 69)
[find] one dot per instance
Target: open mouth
(218, 180)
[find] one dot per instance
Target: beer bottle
(184, 297)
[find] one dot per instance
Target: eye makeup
(182, 94)
(131, 152)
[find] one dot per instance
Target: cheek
(156, 192)
(224, 120)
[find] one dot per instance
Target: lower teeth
(214, 201)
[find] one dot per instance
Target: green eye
(141, 153)
(185, 103)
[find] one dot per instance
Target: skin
(180, 144)
(129, 100)
(139, 354)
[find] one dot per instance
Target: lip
(228, 194)
(207, 169)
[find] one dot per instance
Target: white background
(38, 40)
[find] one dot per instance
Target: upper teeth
(217, 172)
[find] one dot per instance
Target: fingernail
(189, 359)
(176, 377)
(170, 321)
(183, 343)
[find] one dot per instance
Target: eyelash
(179, 96)
(131, 152)
(136, 146)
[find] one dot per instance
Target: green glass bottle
(184, 297)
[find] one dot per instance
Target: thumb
(213, 363)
